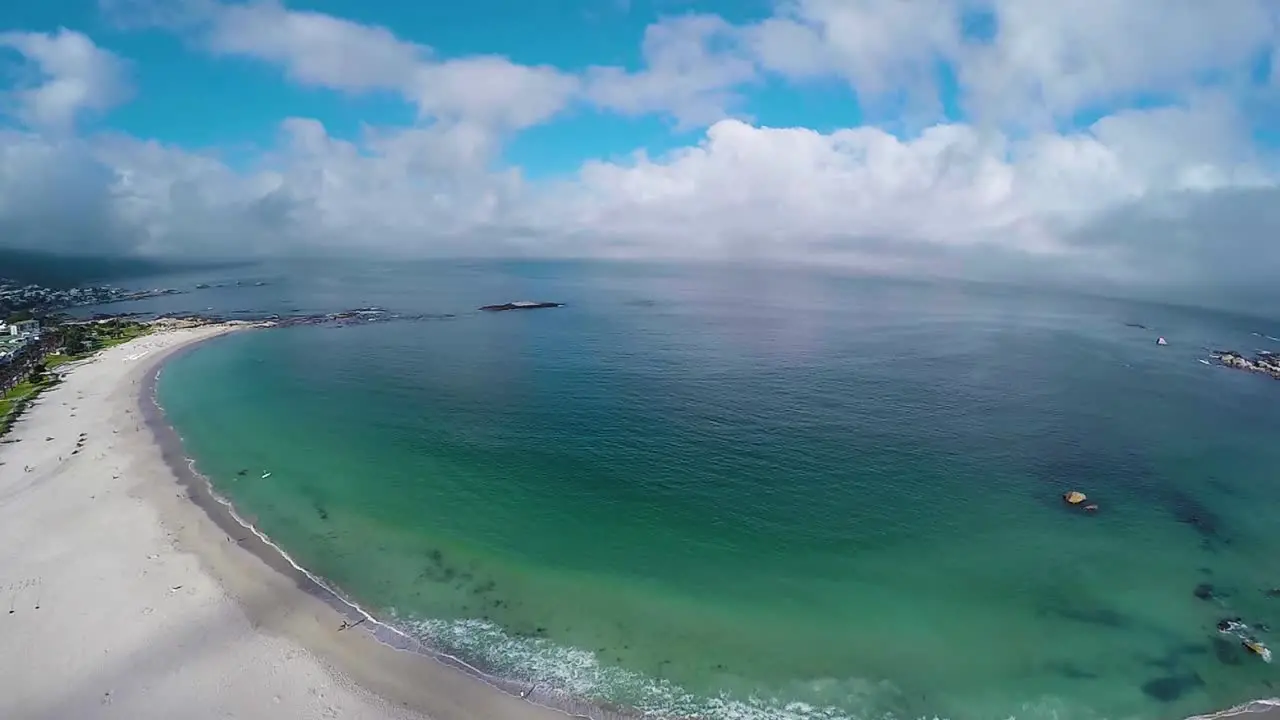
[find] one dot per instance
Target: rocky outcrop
(1263, 362)
(521, 305)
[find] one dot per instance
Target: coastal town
(16, 296)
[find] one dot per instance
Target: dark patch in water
(1189, 511)
(1176, 657)
(1170, 688)
(1204, 591)
(324, 514)
(1092, 616)
(1073, 672)
(1228, 653)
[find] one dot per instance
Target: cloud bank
(1041, 179)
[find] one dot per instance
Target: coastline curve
(222, 513)
(274, 597)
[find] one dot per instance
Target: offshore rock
(521, 305)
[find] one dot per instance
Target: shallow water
(744, 494)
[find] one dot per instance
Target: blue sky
(208, 102)
(987, 136)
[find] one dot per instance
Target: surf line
(431, 653)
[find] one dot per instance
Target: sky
(1132, 143)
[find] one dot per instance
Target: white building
(24, 327)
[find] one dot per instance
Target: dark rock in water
(522, 305)
(1204, 591)
(1235, 626)
(1169, 689)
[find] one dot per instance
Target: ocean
(731, 492)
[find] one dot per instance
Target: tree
(74, 338)
(20, 316)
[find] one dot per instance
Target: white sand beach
(122, 598)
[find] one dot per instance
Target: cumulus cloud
(693, 65)
(320, 50)
(796, 193)
(879, 48)
(314, 48)
(1056, 58)
(71, 75)
(1176, 190)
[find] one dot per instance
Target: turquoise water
(726, 493)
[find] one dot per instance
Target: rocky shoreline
(358, 316)
(1263, 361)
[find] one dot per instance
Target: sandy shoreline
(123, 598)
(131, 591)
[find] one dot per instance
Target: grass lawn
(106, 340)
(12, 402)
(56, 359)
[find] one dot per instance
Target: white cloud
(491, 91)
(1055, 58)
(314, 48)
(1046, 60)
(320, 50)
(73, 76)
(1137, 194)
(693, 65)
(855, 197)
(795, 193)
(878, 47)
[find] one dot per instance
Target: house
(24, 328)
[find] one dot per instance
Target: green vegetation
(56, 359)
(13, 402)
(77, 341)
(81, 339)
